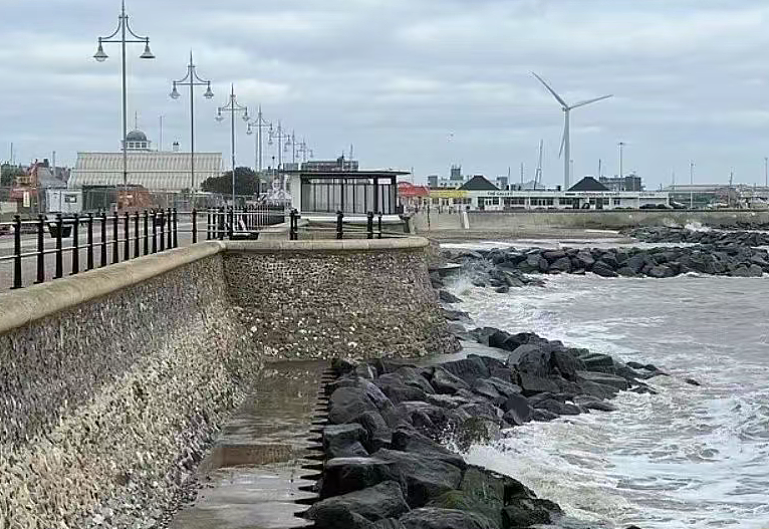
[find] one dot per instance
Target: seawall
(115, 381)
(517, 223)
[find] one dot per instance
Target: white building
(153, 170)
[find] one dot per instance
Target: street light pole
(621, 158)
(691, 185)
(280, 135)
(304, 150)
(259, 123)
(233, 107)
(192, 80)
(124, 30)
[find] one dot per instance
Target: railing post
(232, 221)
(220, 224)
(292, 235)
(208, 225)
(169, 229)
(103, 238)
(137, 236)
(146, 232)
(115, 239)
(90, 241)
(162, 230)
(17, 280)
(370, 224)
(127, 242)
(75, 246)
(40, 249)
(380, 225)
(154, 231)
(176, 229)
(59, 261)
(339, 221)
(194, 226)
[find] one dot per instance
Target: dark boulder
(593, 403)
(406, 440)
(447, 383)
(692, 382)
(448, 297)
(344, 440)
(348, 403)
(597, 362)
(382, 501)
(468, 369)
(557, 408)
(661, 272)
(604, 379)
(485, 389)
(379, 433)
(339, 517)
(561, 265)
(425, 478)
(533, 384)
(543, 416)
(390, 523)
(517, 410)
(434, 518)
(348, 474)
(604, 270)
(527, 512)
(504, 387)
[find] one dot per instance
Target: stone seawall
(328, 298)
(113, 383)
(110, 402)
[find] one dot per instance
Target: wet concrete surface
(252, 478)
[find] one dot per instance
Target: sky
(419, 84)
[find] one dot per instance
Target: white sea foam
(686, 457)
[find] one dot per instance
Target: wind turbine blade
(555, 95)
(591, 101)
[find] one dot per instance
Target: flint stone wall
(112, 402)
(337, 298)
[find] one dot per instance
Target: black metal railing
(101, 239)
(352, 227)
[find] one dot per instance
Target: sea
(687, 457)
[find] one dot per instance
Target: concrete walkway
(252, 478)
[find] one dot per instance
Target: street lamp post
(192, 80)
(233, 107)
(304, 150)
(691, 185)
(621, 158)
(119, 36)
(277, 133)
(291, 142)
(258, 123)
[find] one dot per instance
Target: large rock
(348, 474)
(661, 272)
(604, 379)
(485, 389)
(597, 362)
(379, 433)
(561, 265)
(414, 442)
(447, 383)
(348, 403)
(425, 478)
(517, 410)
(448, 297)
(526, 512)
(379, 502)
(556, 407)
(468, 369)
(504, 387)
(345, 440)
(604, 270)
(435, 518)
(340, 517)
(533, 384)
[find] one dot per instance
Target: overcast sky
(411, 83)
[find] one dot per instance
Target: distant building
(323, 166)
(589, 184)
(432, 180)
(454, 181)
(151, 170)
(630, 182)
(503, 182)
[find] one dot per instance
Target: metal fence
(34, 249)
(343, 227)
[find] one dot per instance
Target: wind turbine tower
(566, 139)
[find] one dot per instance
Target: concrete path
(252, 478)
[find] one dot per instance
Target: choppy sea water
(695, 457)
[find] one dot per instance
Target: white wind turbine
(566, 139)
